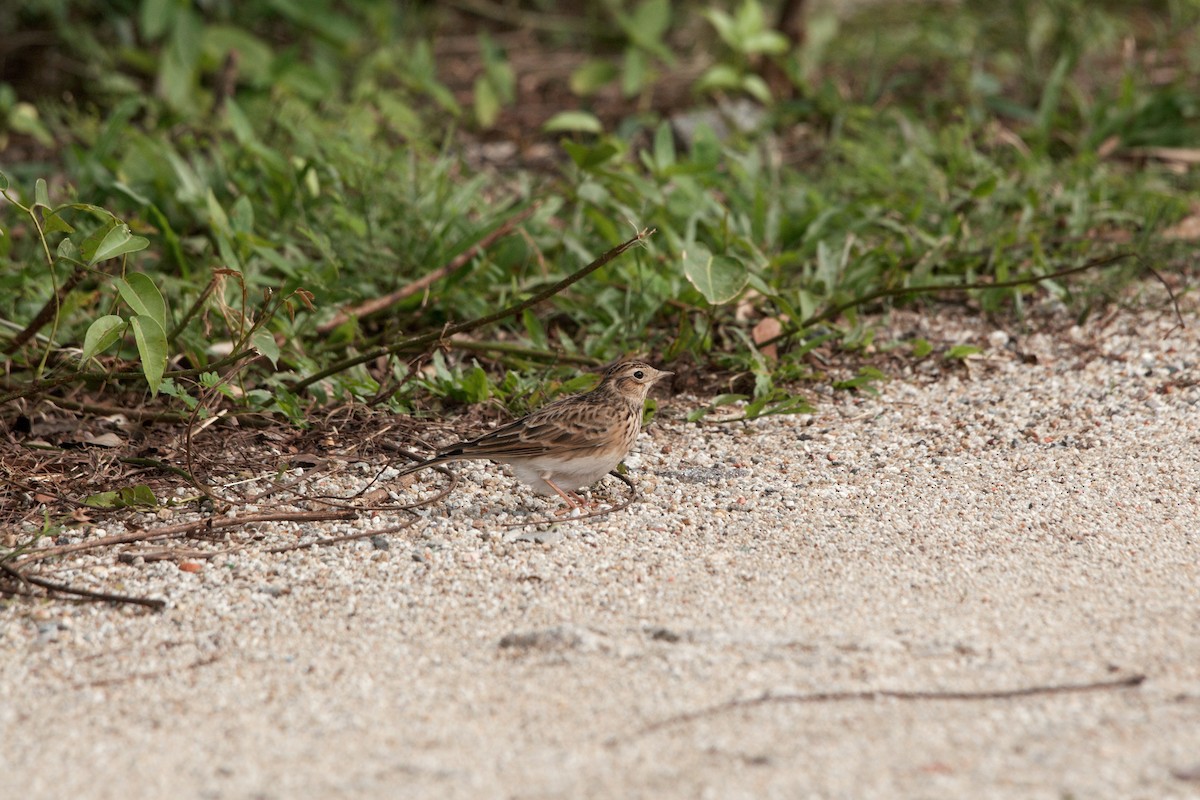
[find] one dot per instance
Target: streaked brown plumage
(571, 442)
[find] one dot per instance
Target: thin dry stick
(100, 377)
(377, 304)
(185, 528)
(62, 588)
(470, 325)
(834, 311)
(889, 694)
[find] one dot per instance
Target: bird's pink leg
(573, 500)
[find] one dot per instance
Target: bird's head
(632, 379)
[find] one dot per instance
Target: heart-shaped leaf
(718, 278)
(117, 242)
(101, 335)
(139, 291)
(264, 344)
(152, 347)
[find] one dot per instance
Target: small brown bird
(571, 442)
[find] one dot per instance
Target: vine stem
(470, 325)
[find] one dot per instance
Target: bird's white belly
(567, 474)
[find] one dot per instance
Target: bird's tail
(420, 463)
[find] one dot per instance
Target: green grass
(916, 146)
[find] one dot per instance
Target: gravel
(1025, 520)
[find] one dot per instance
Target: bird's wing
(544, 431)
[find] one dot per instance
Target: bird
(569, 443)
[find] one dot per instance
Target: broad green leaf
(216, 214)
(985, 187)
(3, 182)
(961, 351)
(23, 118)
(101, 335)
(772, 42)
(140, 495)
(92, 242)
(152, 347)
(757, 88)
(117, 242)
(143, 297)
(264, 344)
(720, 76)
(487, 103)
(591, 77)
(255, 57)
(588, 156)
(664, 146)
(651, 19)
(573, 121)
(103, 500)
(241, 216)
(66, 249)
(718, 278)
(239, 123)
(724, 25)
(102, 213)
(41, 195)
(55, 223)
(635, 72)
(155, 17)
(474, 385)
(125, 497)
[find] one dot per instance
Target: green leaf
(117, 242)
(664, 146)
(3, 182)
(101, 335)
(723, 23)
(143, 297)
(866, 376)
(771, 42)
(155, 17)
(152, 347)
(66, 249)
(23, 118)
(921, 348)
(573, 121)
(718, 278)
(757, 88)
(474, 385)
(103, 500)
(41, 195)
(126, 497)
(719, 76)
(635, 73)
(985, 187)
(241, 217)
(487, 103)
(591, 77)
(264, 344)
(961, 351)
(587, 156)
(55, 223)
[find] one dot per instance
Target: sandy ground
(1029, 521)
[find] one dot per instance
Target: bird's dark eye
(639, 375)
